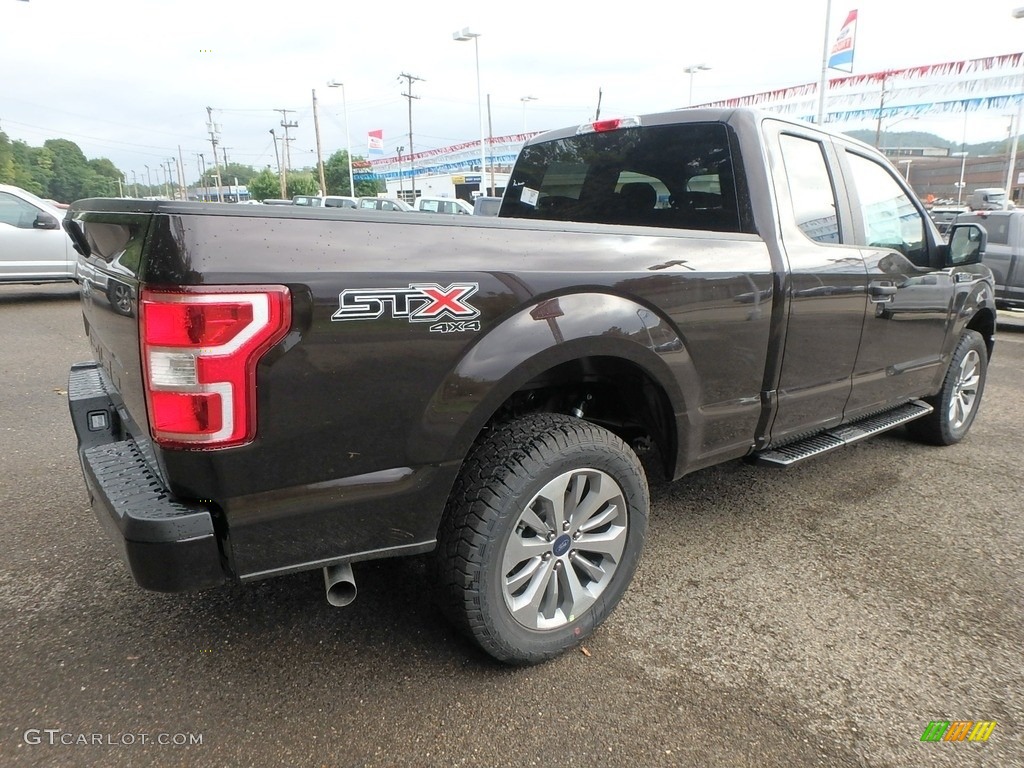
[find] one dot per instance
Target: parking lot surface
(820, 616)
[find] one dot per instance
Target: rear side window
(810, 189)
(663, 176)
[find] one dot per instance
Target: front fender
(976, 306)
(541, 336)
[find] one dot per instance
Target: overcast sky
(131, 79)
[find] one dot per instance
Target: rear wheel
(958, 401)
(542, 535)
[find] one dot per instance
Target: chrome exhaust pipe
(340, 584)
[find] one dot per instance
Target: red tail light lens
(200, 348)
(603, 126)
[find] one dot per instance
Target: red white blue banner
(375, 142)
(841, 56)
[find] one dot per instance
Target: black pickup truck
(295, 389)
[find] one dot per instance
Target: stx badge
(419, 303)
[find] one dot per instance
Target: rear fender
(537, 339)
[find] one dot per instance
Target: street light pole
(463, 36)
(1018, 13)
(401, 182)
(963, 168)
(906, 173)
(691, 70)
(525, 99)
(348, 138)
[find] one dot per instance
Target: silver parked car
(33, 246)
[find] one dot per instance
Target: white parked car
(324, 201)
(383, 204)
(33, 246)
(443, 205)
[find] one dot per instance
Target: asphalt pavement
(818, 616)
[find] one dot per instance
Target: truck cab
(1004, 254)
(988, 199)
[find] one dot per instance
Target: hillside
(923, 139)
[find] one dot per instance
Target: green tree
(336, 176)
(6, 160)
(302, 183)
(32, 168)
(71, 172)
(233, 171)
(264, 184)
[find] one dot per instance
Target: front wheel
(541, 536)
(958, 401)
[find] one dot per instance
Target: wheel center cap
(561, 545)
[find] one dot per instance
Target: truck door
(824, 289)
(909, 299)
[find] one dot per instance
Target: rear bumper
(169, 545)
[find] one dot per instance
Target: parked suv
(33, 247)
(1004, 254)
(443, 205)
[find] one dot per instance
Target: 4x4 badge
(419, 303)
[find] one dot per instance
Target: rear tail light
(200, 348)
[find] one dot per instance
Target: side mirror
(45, 221)
(967, 244)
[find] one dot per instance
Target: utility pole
(286, 149)
(319, 151)
(881, 111)
(214, 130)
(181, 175)
(412, 154)
(597, 114)
(280, 176)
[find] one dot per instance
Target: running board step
(829, 440)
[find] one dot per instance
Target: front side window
(890, 218)
(17, 212)
(810, 188)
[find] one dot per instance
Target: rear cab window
(679, 176)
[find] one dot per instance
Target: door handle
(881, 291)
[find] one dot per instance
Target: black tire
(504, 583)
(958, 401)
